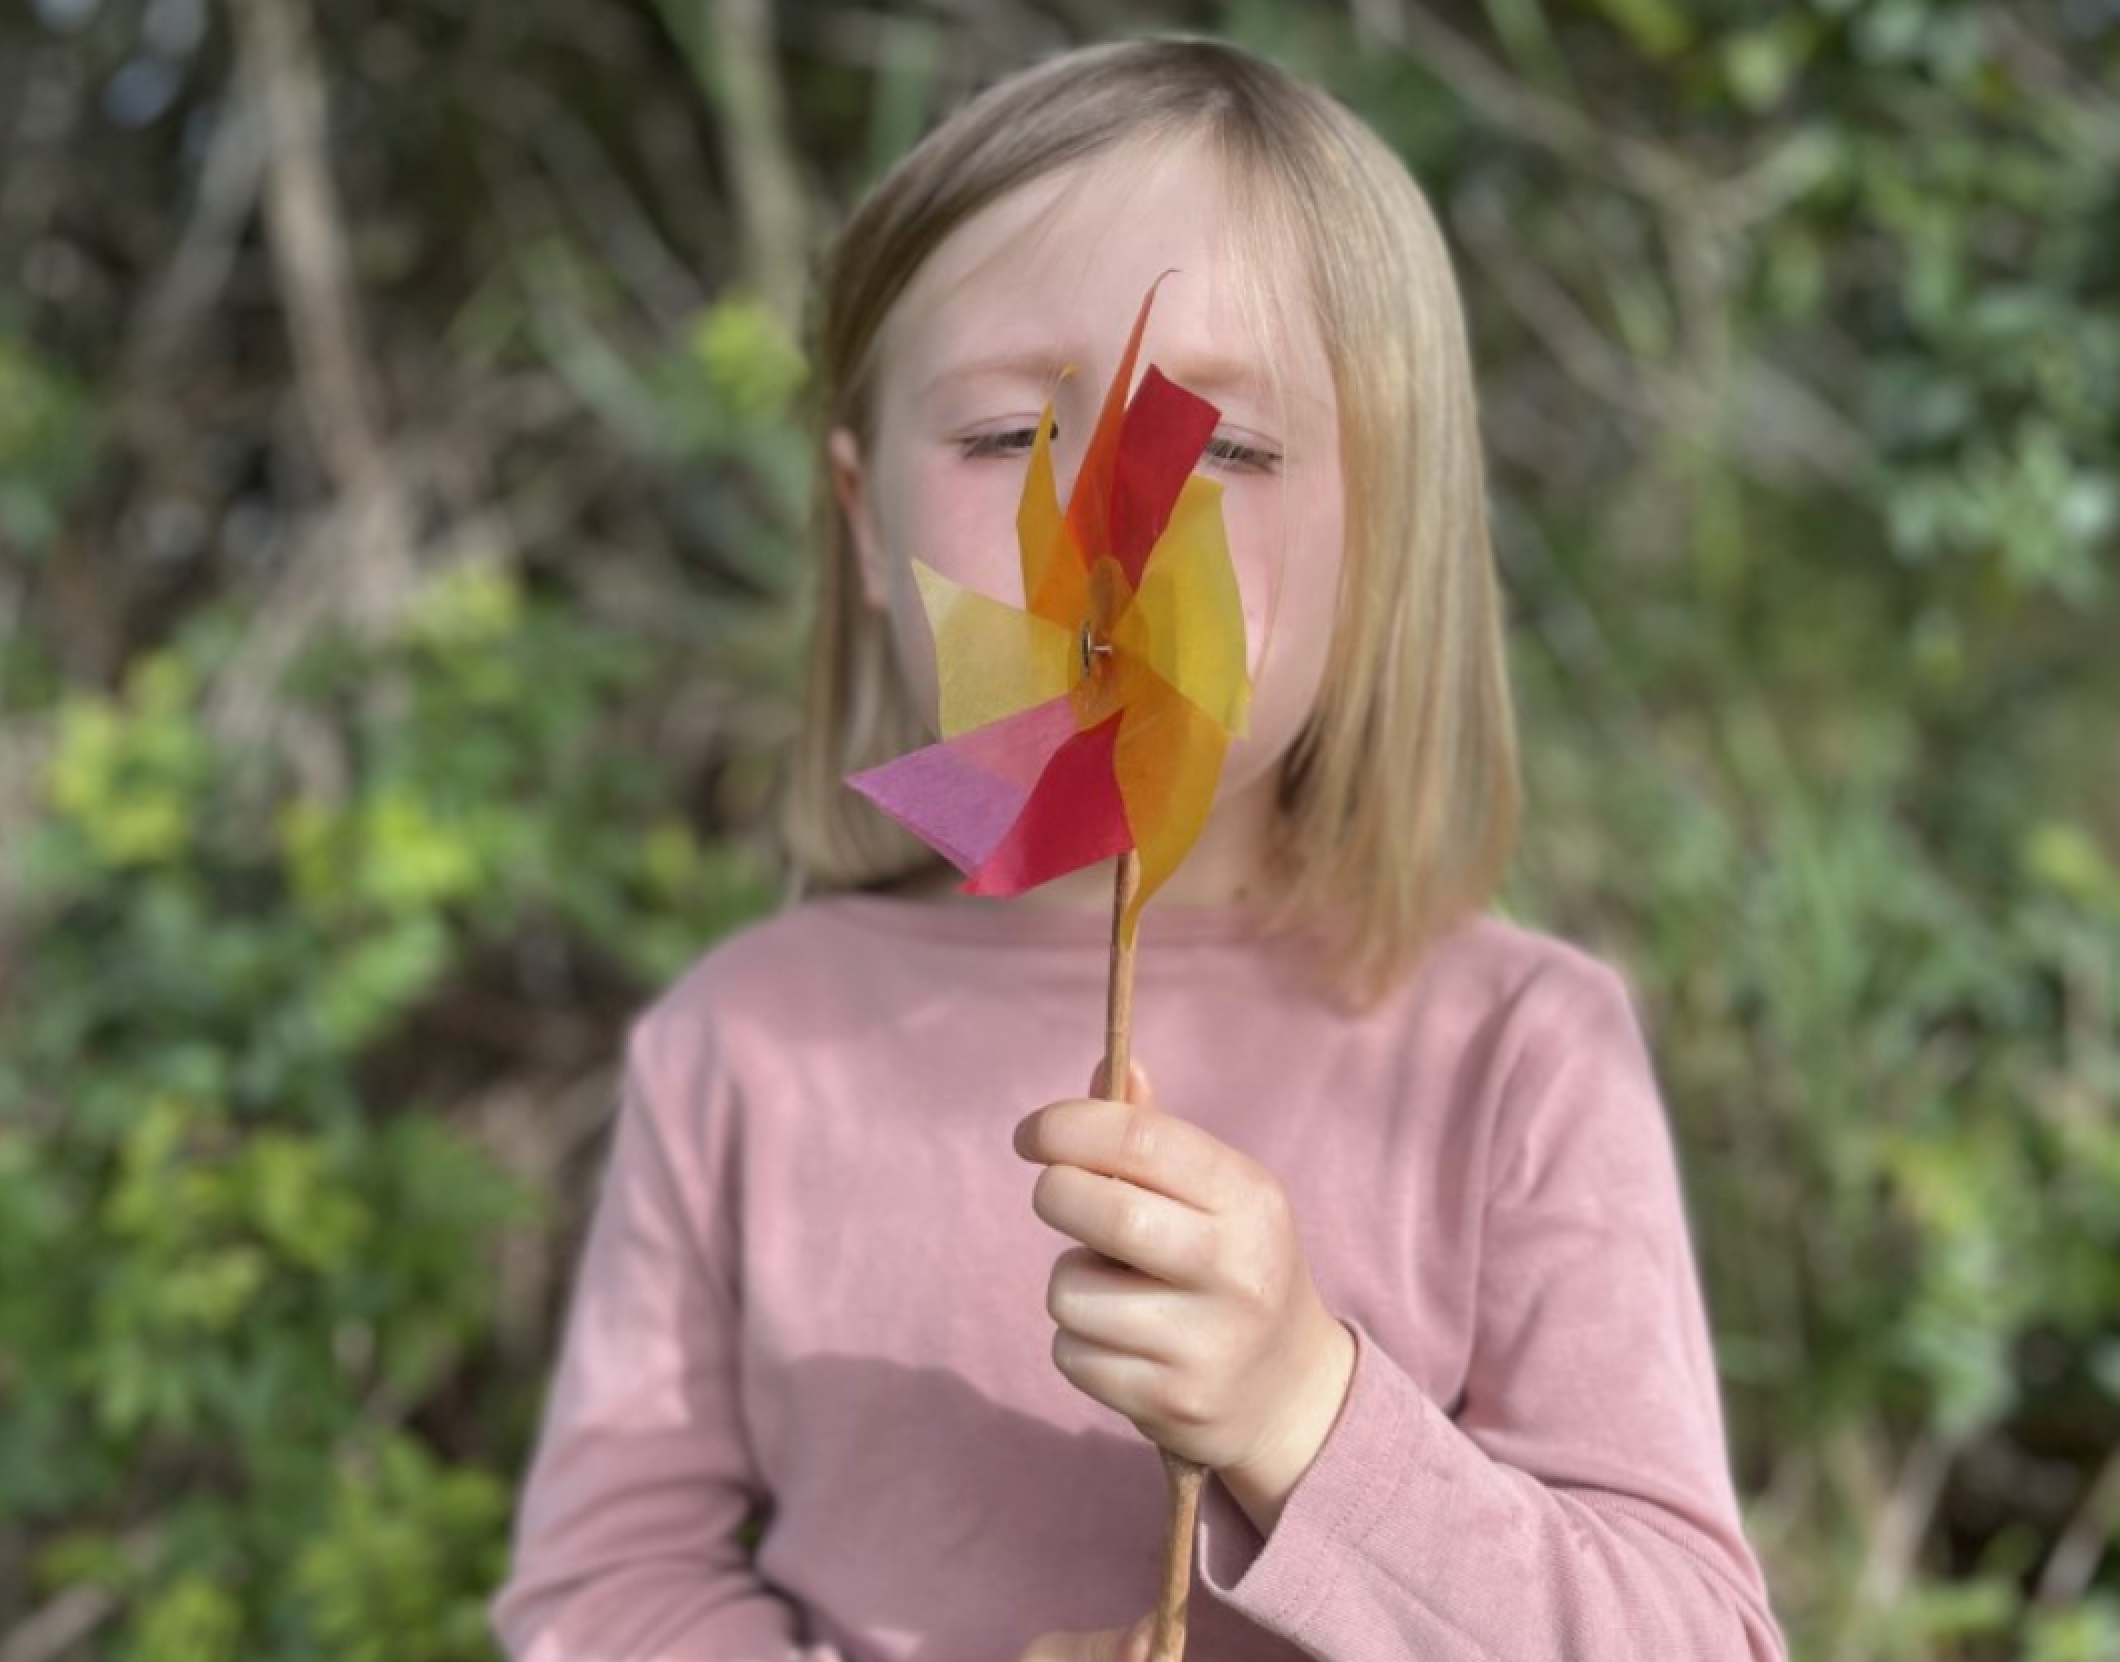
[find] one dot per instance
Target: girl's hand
(1116, 1644)
(1188, 1307)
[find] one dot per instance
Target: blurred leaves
(46, 446)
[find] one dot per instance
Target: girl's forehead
(1058, 267)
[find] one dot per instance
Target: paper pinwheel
(1094, 719)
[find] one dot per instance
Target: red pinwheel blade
(1137, 460)
(1166, 429)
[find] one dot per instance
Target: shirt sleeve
(628, 1540)
(1576, 1505)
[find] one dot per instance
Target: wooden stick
(1119, 995)
(1183, 1477)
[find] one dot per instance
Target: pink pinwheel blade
(961, 796)
(1012, 804)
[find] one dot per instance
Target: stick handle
(1182, 1477)
(1119, 995)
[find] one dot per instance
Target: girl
(1402, 1257)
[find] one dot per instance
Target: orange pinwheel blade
(1055, 575)
(1168, 761)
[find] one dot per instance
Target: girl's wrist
(1262, 1484)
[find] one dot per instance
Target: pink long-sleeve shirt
(813, 1296)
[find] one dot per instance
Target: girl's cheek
(1288, 565)
(968, 526)
(1259, 549)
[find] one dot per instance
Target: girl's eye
(1229, 455)
(1004, 442)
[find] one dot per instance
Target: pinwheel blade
(962, 796)
(1074, 818)
(1186, 621)
(1166, 429)
(991, 659)
(1055, 575)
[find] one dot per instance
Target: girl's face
(1051, 278)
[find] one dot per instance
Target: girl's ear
(850, 485)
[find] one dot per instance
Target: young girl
(861, 1357)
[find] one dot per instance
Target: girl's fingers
(1140, 1093)
(1111, 1305)
(1169, 1156)
(1121, 1644)
(1123, 1383)
(1150, 1232)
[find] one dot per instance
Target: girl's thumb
(1131, 1643)
(1139, 1091)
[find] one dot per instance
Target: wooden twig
(55, 1628)
(306, 231)
(1119, 993)
(733, 55)
(1184, 1478)
(63, 1625)
(355, 563)
(1908, 1510)
(2074, 1560)
(231, 176)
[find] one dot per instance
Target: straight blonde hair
(1399, 798)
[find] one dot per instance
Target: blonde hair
(1399, 798)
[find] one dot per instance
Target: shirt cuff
(1371, 1453)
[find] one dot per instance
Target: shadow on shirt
(917, 1520)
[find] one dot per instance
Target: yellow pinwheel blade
(1055, 578)
(1187, 620)
(1168, 759)
(991, 659)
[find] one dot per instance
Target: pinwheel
(1091, 722)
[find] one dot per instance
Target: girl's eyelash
(1007, 441)
(1225, 453)
(1242, 458)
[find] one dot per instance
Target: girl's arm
(627, 1541)
(1577, 1504)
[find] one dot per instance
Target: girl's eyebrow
(1036, 366)
(1215, 377)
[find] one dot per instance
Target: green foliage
(1845, 735)
(2083, 1634)
(402, 1568)
(231, 1272)
(44, 442)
